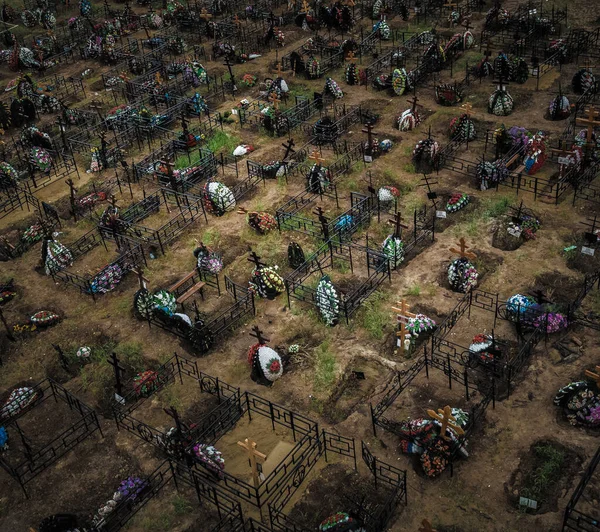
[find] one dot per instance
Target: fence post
(373, 421)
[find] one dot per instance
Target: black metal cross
(114, 362)
(61, 357)
(369, 132)
(414, 103)
(172, 412)
(396, 221)
(500, 82)
(258, 334)
(324, 222)
(517, 213)
(72, 191)
(289, 148)
(9, 333)
(591, 236)
(431, 195)
(96, 106)
(254, 258)
(539, 296)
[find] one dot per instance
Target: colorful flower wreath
(249, 80)
(40, 158)
(352, 75)
(107, 279)
(408, 120)
(313, 67)
(266, 282)
(328, 301)
(500, 103)
(143, 304)
(418, 325)
(457, 201)
(18, 400)
(146, 382)
(426, 152)
(388, 194)
(8, 175)
(57, 256)
(208, 260)
(583, 81)
(462, 275)
(211, 458)
(262, 222)
(218, 198)
(340, 522)
(399, 81)
(333, 88)
(393, 249)
(580, 402)
(165, 301)
(44, 318)
(462, 128)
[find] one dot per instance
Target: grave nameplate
(564, 160)
(587, 251)
(441, 214)
(529, 503)
(368, 159)
(119, 399)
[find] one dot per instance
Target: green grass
(181, 506)
(414, 290)
(540, 480)
(211, 236)
(182, 161)
(221, 141)
(409, 168)
(325, 368)
(498, 206)
(373, 318)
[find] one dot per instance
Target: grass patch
(373, 318)
(414, 291)
(221, 141)
(211, 236)
(492, 208)
(181, 506)
(409, 168)
(549, 461)
(325, 368)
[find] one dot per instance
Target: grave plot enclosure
(42, 426)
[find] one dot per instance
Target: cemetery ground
(339, 373)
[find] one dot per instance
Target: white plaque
(587, 251)
(440, 214)
(564, 160)
(529, 503)
(119, 399)
(368, 159)
(234, 111)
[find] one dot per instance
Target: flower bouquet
(266, 282)
(385, 33)
(457, 201)
(551, 321)
(479, 348)
(131, 488)
(9, 177)
(218, 198)
(18, 400)
(84, 353)
(500, 103)
(56, 256)
(210, 457)
(535, 154)
(40, 158)
(165, 302)
(462, 275)
(313, 67)
(419, 325)
(249, 80)
(518, 305)
(448, 95)
(266, 363)
(386, 145)
(146, 382)
(208, 260)
(328, 301)
(393, 249)
(387, 195)
(6, 295)
(107, 279)
(490, 173)
(399, 81)
(340, 522)
(426, 152)
(333, 88)
(462, 128)
(44, 318)
(262, 222)
(408, 120)
(559, 108)
(583, 80)
(580, 402)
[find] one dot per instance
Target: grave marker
(403, 316)
(396, 221)
(426, 526)
(594, 376)
(447, 420)
(316, 156)
(258, 334)
(464, 250)
(590, 122)
(114, 362)
(253, 456)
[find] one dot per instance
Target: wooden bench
(189, 293)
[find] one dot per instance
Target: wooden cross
(369, 132)
(447, 420)
(414, 103)
(305, 7)
(237, 21)
(463, 251)
(403, 316)
(256, 260)
(396, 221)
(274, 100)
(253, 455)
(351, 58)
(316, 156)
(590, 122)
(205, 15)
(467, 108)
(258, 334)
(450, 5)
(350, 3)
(562, 153)
(426, 526)
(139, 271)
(289, 148)
(594, 376)
(278, 70)
(114, 362)
(96, 106)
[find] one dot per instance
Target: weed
(409, 168)
(539, 481)
(325, 367)
(221, 141)
(414, 290)
(181, 505)
(472, 228)
(373, 318)
(131, 353)
(341, 266)
(211, 236)
(496, 207)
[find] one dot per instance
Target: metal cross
(463, 251)
(258, 334)
(289, 148)
(114, 362)
(324, 222)
(591, 236)
(255, 259)
(414, 103)
(396, 221)
(447, 420)
(430, 193)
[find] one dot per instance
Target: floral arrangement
(313, 67)
(517, 305)
(489, 173)
(344, 224)
(24, 329)
(552, 321)
(3, 439)
(146, 382)
(377, 7)
(131, 488)
(457, 201)
(249, 80)
(8, 175)
(293, 349)
(583, 80)
(165, 301)
(462, 128)
(462, 275)
(210, 457)
(382, 82)
(408, 120)
(479, 347)
(95, 163)
(218, 198)
(436, 458)
(266, 282)
(296, 256)
(6, 295)
(420, 324)
(399, 81)
(448, 95)
(328, 301)
(535, 154)
(85, 8)
(89, 200)
(352, 76)
(519, 71)
(500, 103)
(333, 88)
(393, 249)
(262, 222)
(143, 303)
(580, 402)
(385, 34)
(386, 145)
(266, 363)
(426, 152)
(56, 256)
(40, 158)
(84, 353)
(107, 279)
(339, 522)
(44, 318)
(18, 400)
(388, 194)
(208, 260)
